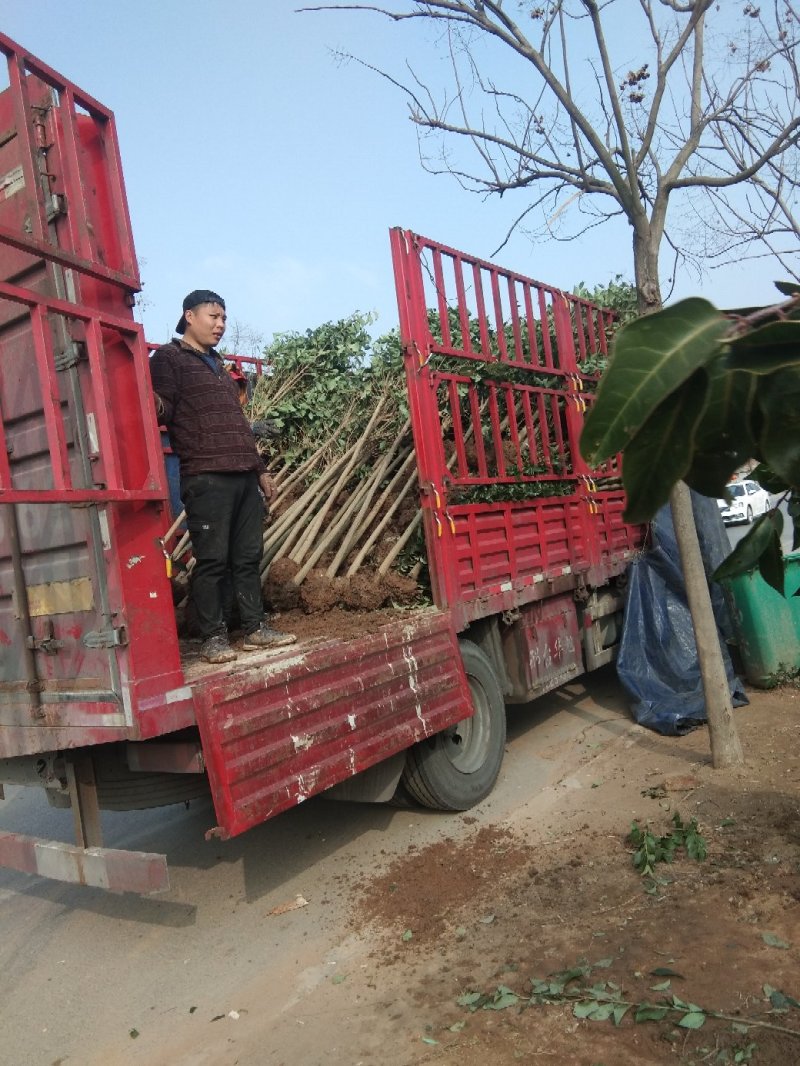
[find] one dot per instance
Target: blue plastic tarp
(657, 662)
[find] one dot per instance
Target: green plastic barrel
(767, 624)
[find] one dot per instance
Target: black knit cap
(194, 299)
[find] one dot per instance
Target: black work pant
(225, 516)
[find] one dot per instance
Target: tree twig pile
(344, 528)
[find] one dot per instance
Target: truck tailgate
(300, 720)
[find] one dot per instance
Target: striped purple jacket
(207, 428)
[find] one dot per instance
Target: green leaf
(469, 999)
(602, 1012)
(539, 987)
(619, 1013)
(428, 1040)
(773, 941)
(646, 1012)
(770, 565)
(724, 437)
(565, 976)
(662, 986)
(696, 847)
(768, 479)
(662, 445)
(690, 1008)
(764, 350)
(456, 1027)
(779, 400)
(600, 990)
(407, 935)
(788, 288)
(664, 971)
(652, 357)
(583, 1008)
(748, 551)
(695, 1020)
(779, 1001)
(502, 1000)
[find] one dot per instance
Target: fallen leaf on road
(774, 941)
(681, 783)
(293, 905)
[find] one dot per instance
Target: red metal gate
(498, 367)
(86, 630)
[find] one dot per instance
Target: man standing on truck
(222, 476)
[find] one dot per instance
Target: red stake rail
(498, 367)
(87, 632)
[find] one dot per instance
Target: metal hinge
(56, 204)
(48, 643)
(105, 638)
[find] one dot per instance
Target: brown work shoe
(217, 650)
(266, 637)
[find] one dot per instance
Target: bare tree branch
(710, 109)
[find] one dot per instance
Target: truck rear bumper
(118, 871)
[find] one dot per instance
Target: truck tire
(122, 789)
(457, 768)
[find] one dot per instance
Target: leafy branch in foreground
(601, 1001)
(651, 849)
(692, 393)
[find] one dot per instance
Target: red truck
(99, 703)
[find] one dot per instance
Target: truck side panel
(498, 368)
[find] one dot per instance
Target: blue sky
(259, 166)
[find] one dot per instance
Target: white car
(748, 499)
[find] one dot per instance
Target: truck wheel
(457, 768)
(122, 789)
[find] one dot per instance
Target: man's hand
(267, 486)
(160, 409)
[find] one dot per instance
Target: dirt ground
(461, 929)
(478, 939)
